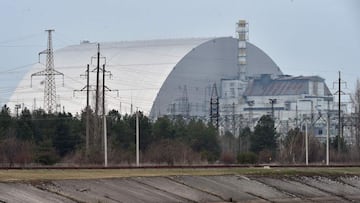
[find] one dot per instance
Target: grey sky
(304, 37)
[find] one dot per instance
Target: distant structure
(161, 77)
(242, 31)
(175, 78)
(50, 103)
(290, 100)
(214, 107)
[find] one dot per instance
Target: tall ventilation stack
(242, 31)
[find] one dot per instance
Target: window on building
(240, 91)
(315, 88)
(287, 106)
(232, 92)
(320, 132)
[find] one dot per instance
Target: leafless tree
(356, 101)
(15, 151)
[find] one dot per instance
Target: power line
(21, 38)
(20, 46)
(10, 70)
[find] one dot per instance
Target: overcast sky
(304, 37)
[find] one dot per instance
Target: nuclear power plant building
(153, 75)
(177, 77)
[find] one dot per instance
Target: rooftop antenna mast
(49, 73)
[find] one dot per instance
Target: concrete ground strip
(222, 188)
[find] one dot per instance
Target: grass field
(57, 174)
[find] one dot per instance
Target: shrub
(46, 154)
(247, 158)
(171, 152)
(265, 156)
(15, 151)
(227, 158)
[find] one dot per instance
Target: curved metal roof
(141, 71)
(191, 80)
(138, 70)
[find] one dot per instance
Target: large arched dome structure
(155, 75)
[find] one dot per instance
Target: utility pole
(311, 114)
(339, 92)
(49, 73)
(97, 101)
(120, 111)
(233, 119)
(104, 88)
(34, 105)
(339, 112)
(328, 132)
(306, 145)
(17, 107)
(137, 139)
(87, 110)
(97, 81)
(272, 102)
(104, 120)
(96, 124)
(131, 107)
(250, 104)
(296, 115)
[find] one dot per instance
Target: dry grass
(55, 174)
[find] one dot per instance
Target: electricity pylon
(214, 107)
(49, 73)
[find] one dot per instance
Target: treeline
(265, 145)
(164, 141)
(40, 138)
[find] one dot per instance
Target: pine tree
(264, 136)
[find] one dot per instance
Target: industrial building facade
(291, 101)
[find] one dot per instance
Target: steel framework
(49, 73)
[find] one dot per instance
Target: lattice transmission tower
(49, 73)
(214, 107)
